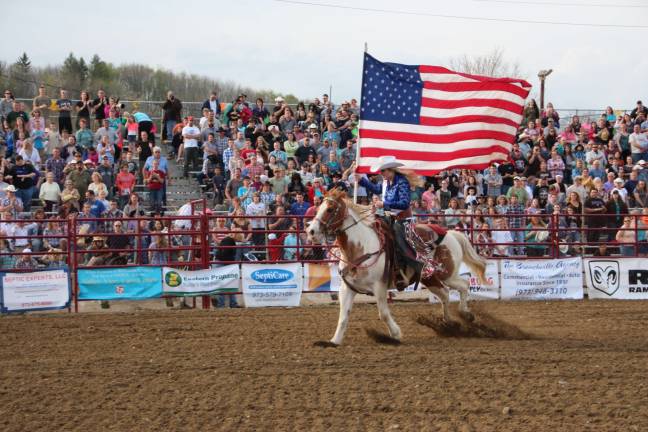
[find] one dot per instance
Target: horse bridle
(334, 227)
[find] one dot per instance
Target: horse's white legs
(463, 287)
(346, 303)
(385, 314)
(442, 294)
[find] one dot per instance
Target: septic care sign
(272, 284)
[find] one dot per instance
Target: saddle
(414, 249)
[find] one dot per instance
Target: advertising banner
(620, 278)
(125, 283)
(272, 284)
(542, 279)
(321, 277)
(491, 290)
(217, 280)
(477, 290)
(40, 290)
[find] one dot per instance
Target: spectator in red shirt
(154, 180)
(125, 183)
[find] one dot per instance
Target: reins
(360, 262)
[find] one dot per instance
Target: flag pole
(357, 158)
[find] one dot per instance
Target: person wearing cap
(280, 103)
(22, 176)
(303, 152)
(25, 260)
(577, 188)
(80, 178)
(619, 187)
(518, 190)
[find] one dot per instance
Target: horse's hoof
(467, 316)
(325, 344)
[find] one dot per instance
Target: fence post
(204, 250)
(138, 242)
(555, 241)
(72, 260)
(636, 235)
(297, 254)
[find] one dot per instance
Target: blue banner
(126, 283)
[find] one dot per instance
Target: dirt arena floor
(529, 366)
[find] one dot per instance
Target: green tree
(23, 63)
(74, 73)
(21, 79)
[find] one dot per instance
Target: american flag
(433, 119)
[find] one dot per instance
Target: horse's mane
(365, 213)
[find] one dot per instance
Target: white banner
(217, 280)
(321, 277)
(272, 284)
(477, 290)
(48, 289)
(542, 279)
(621, 278)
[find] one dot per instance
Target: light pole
(542, 75)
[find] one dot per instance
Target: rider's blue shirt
(397, 194)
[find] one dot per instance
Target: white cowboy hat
(11, 188)
(385, 162)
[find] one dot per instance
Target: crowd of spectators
(264, 167)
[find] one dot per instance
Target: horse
(367, 259)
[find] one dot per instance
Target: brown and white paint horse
(367, 259)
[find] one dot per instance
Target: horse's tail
(475, 262)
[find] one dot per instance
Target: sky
(305, 49)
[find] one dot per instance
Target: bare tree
(490, 64)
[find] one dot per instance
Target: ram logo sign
(605, 276)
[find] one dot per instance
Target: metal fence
(154, 109)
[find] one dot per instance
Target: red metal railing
(191, 240)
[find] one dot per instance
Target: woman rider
(396, 201)
(396, 197)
